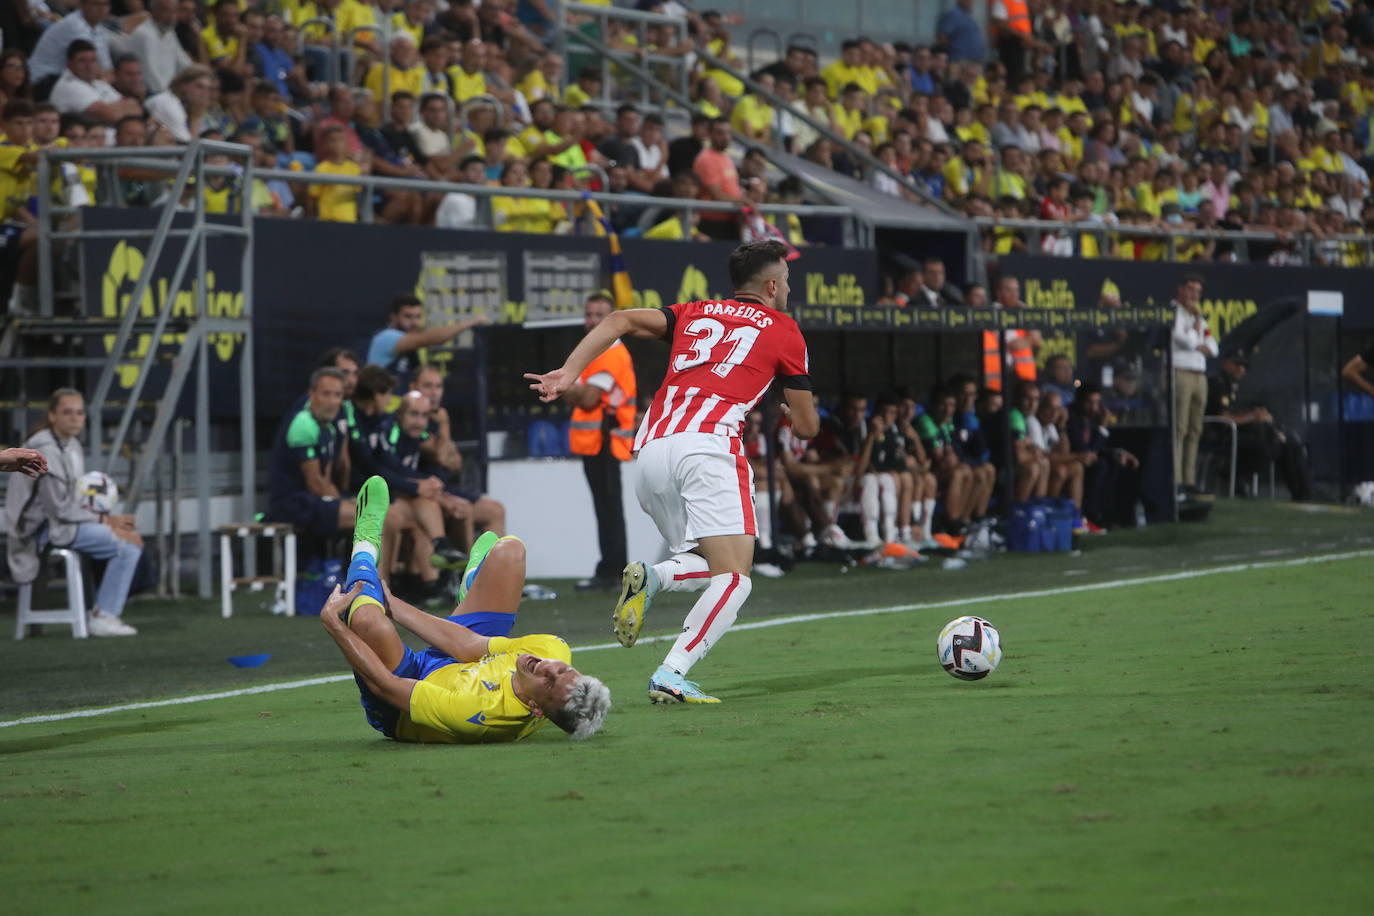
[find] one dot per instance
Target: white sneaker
(769, 570)
(101, 624)
(835, 537)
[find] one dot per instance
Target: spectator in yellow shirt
(851, 110)
(407, 74)
(221, 36)
(523, 214)
(848, 69)
(544, 80)
(363, 20)
(753, 116)
(587, 87)
(336, 202)
(411, 19)
(467, 75)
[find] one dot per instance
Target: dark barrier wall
(1231, 292)
(327, 284)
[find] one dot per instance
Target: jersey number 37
(706, 334)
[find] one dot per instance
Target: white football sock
(828, 508)
(762, 508)
(868, 501)
(927, 517)
(685, 572)
(710, 618)
(887, 491)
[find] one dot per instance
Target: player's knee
(507, 552)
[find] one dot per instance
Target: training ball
(969, 648)
(97, 492)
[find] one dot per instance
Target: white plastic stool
(75, 615)
(283, 564)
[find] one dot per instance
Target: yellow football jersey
(473, 702)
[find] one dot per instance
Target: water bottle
(1139, 514)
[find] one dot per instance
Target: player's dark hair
(372, 381)
(753, 258)
(600, 295)
(330, 358)
(1191, 278)
(405, 300)
(421, 370)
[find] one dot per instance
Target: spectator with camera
(48, 510)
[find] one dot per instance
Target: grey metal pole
(202, 392)
(45, 271)
(247, 395)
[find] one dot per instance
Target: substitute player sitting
(475, 685)
(694, 479)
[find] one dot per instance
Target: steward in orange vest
(1020, 344)
(1014, 34)
(602, 432)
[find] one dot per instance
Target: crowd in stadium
(1171, 115)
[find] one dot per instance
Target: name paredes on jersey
(747, 312)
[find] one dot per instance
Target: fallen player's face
(544, 681)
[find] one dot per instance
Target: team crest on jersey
(478, 719)
(490, 686)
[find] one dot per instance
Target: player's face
(431, 385)
(410, 318)
(326, 398)
(544, 681)
(68, 418)
(597, 310)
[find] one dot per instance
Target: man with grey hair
(475, 684)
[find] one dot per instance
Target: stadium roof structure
(874, 206)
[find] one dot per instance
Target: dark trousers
(603, 476)
(1110, 492)
(1259, 443)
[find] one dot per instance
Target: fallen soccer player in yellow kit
(474, 685)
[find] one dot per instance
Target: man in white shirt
(155, 43)
(1191, 344)
(80, 90)
(50, 54)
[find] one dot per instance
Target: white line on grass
(752, 625)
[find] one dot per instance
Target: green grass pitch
(1200, 745)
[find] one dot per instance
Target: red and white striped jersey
(726, 353)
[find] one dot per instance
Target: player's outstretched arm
(439, 334)
(452, 638)
(360, 656)
(648, 323)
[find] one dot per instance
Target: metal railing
(607, 57)
(1036, 230)
(188, 165)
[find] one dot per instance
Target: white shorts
(696, 485)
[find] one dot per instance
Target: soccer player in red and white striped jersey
(693, 478)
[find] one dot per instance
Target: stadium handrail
(143, 158)
(1039, 227)
(562, 31)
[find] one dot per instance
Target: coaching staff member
(603, 433)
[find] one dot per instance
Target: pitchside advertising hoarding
(328, 284)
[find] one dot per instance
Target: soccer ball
(969, 648)
(97, 492)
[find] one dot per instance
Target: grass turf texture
(1190, 746)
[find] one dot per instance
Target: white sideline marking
(752, 625)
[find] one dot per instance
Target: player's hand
(430, 487)
(26, 461)
(331, 615)
(784, 409)
(551, 385)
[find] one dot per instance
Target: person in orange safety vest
(602, 432)
(1021, 345)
